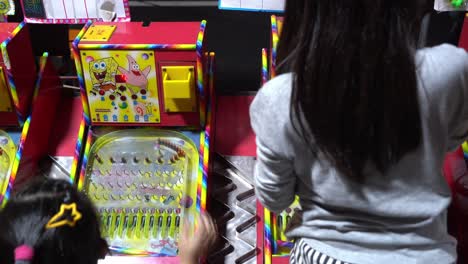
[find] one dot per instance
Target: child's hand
(192, 248)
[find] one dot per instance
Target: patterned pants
(302, 253)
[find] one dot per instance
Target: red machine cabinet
(17, 74)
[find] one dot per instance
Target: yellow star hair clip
(60, 219)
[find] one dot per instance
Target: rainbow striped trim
(9, 74)
(200, 72)
(207, 140)
(264, 66)
(79, 72)
(78, 148)
(274, 45)
(267, 214)
(267, 246)
(270, 220)
(5, 196)
(139, 46)
(84, 163)
(42, 65)
(204, 145)
(136, 252)
(465, 148)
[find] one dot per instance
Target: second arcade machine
(147, 97)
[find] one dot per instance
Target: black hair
(355, 86)
(24, 218)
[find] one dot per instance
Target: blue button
(125, 118)
(115, 118)
(146, 118)
(103, 99)
(137, 118)
(106, 118)
(143, 97)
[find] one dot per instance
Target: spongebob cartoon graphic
(134, 75)
(102, 73)
(122, 86)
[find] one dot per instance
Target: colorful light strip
(79, 72)
(267, 246)
(5, 196)
(138, 46)
(200, 72)
(200, 172)
(78, 147)
(201, 185)
(264, 66)
(42, 65)
(84, 163)
(210, 109)
(136, 252)
(274, 234)
(268, 253)
(270, 222)
(9, 74)
(274, 45)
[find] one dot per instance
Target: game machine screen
(147, 96)
(17, 79)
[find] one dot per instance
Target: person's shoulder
(442, 68)
(276, 91)
(445, 55)
(272, 102)
(278, 86)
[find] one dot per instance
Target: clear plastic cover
(144, 184)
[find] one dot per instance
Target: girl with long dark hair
(357, 125)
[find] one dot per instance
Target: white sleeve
(275, 179)
(458, 100)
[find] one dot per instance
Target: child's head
(355, 87)
(32, 221)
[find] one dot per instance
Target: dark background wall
(236, 37)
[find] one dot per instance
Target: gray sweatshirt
(399, 217)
